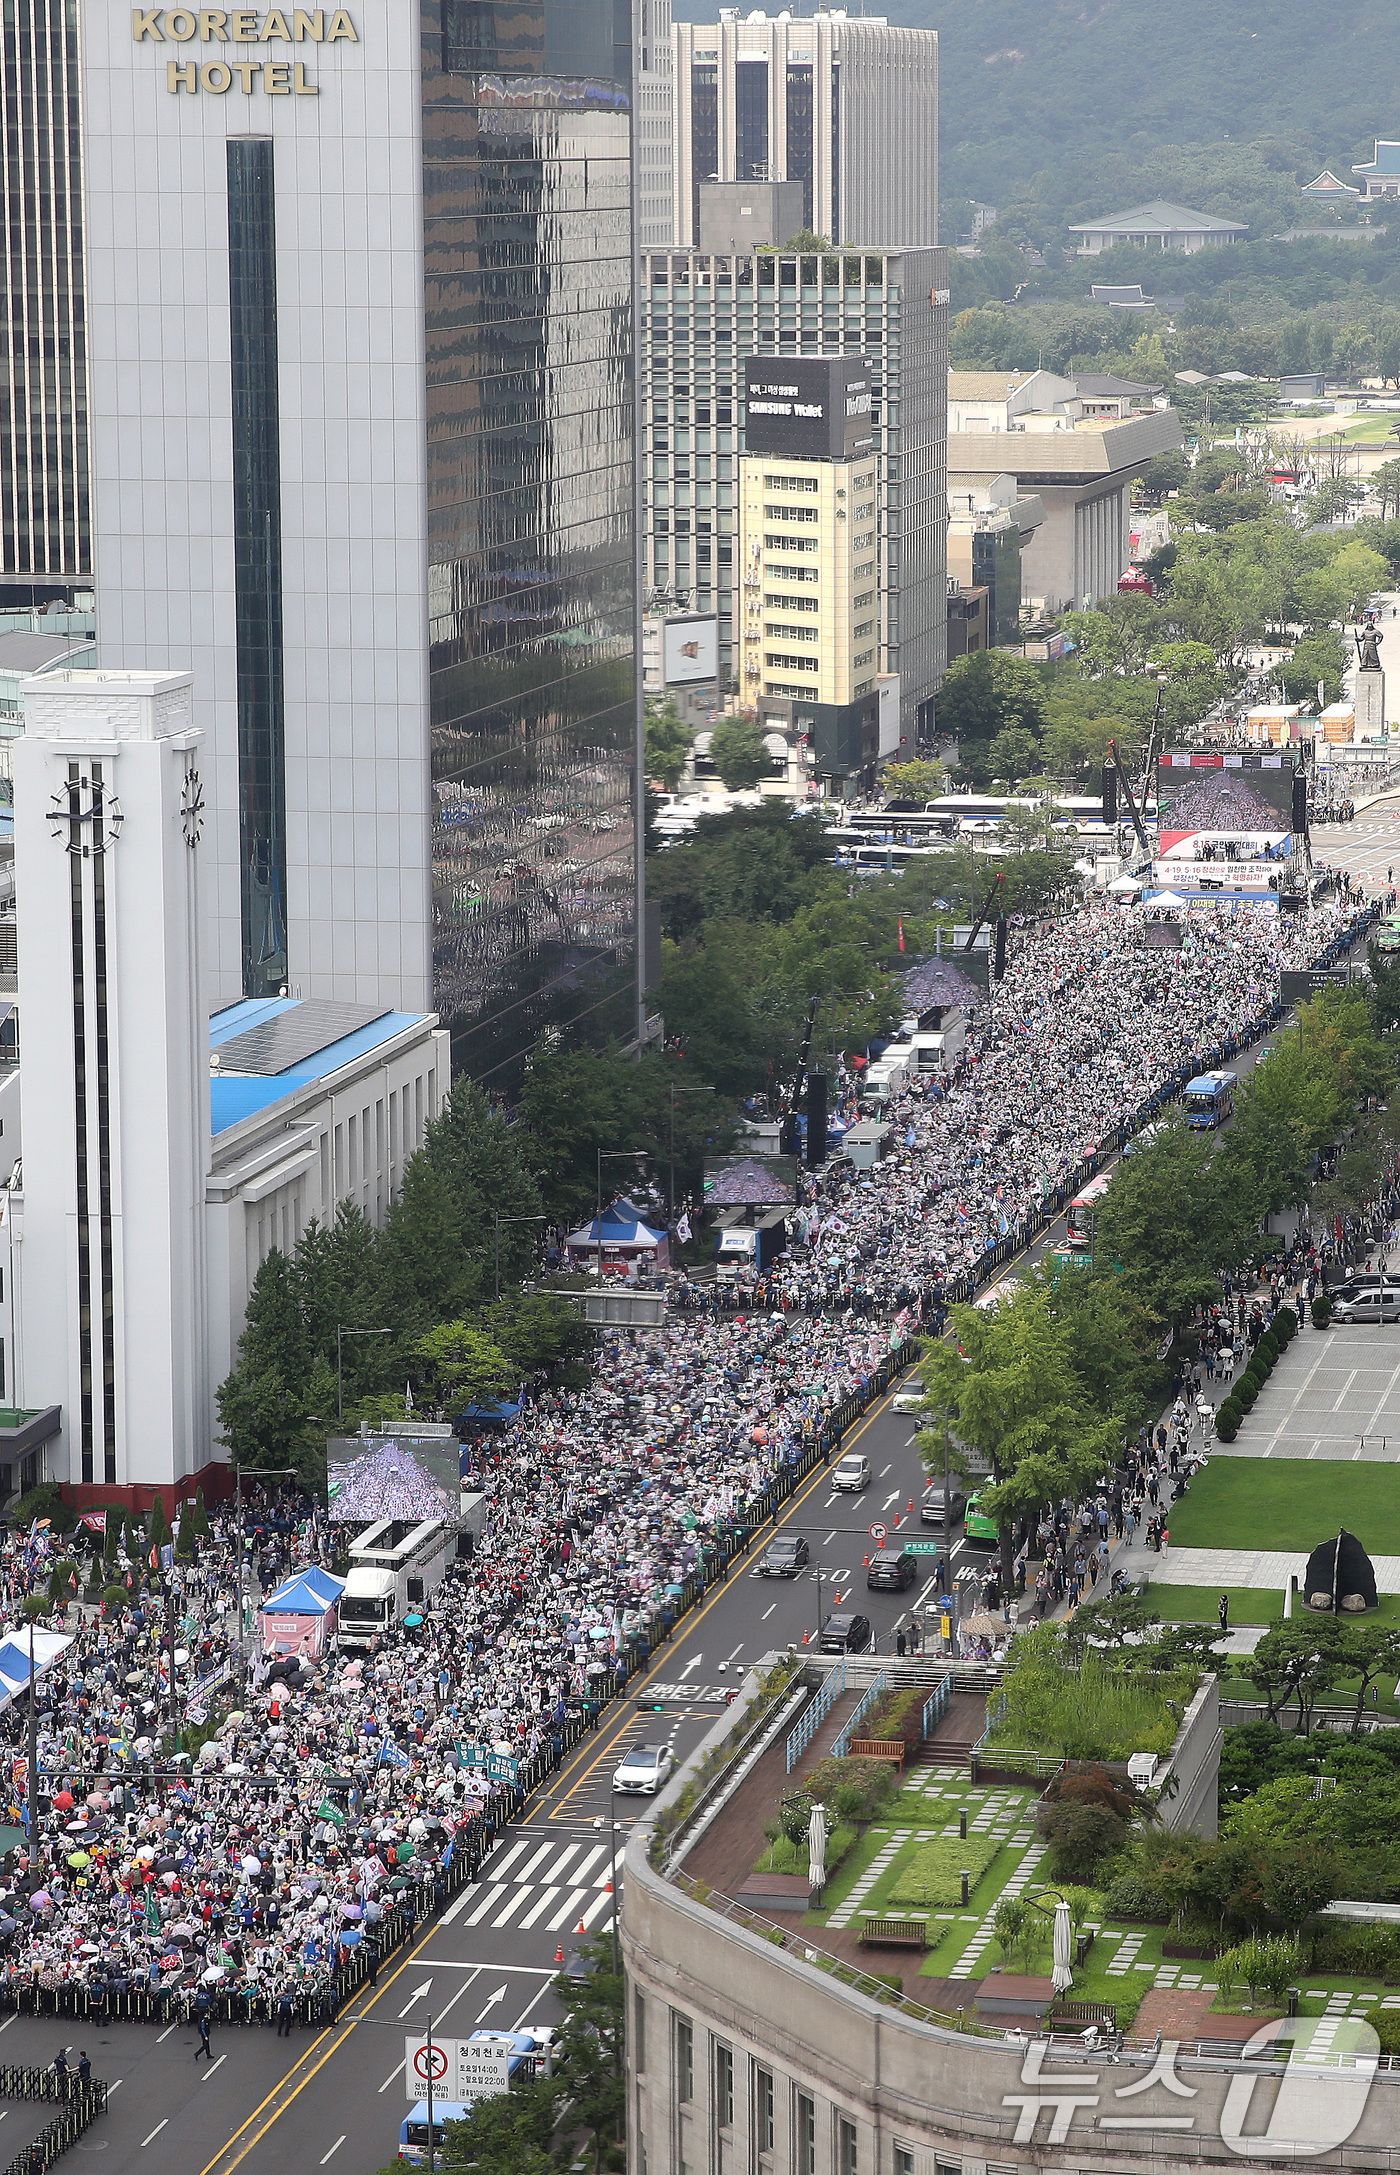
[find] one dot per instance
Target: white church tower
(111, 1298)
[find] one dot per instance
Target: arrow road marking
(499, 1995)
(417, 1995)
(693, 1663)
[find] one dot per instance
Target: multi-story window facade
(700, 316)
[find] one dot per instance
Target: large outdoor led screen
(750, 1181)
(393, 1476)
(1240, 796)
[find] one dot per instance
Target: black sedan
(784, 1556)
(845, 1634)
(891, 1571)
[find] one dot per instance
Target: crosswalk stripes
(554, 1910)
(545, 1865)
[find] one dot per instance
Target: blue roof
(1386, 160)
(235, 1096)
(310, 1593)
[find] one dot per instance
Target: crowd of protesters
(312, 1798)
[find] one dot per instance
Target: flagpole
(33, 1744)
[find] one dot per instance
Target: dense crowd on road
(331, 1788)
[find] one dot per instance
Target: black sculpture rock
(1340, 1576)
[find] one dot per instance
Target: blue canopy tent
(300, 1617)
(623, 1237)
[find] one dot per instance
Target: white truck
(395, 1567)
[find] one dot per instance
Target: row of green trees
(1038, 1390)
(1189, 1203)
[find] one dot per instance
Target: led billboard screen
(1240, 796)
(690, 650)
(808, 407)
(393, 1476)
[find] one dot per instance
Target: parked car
(891, 1571)
(643, 1771)
(931, 1507)
(852, 1473)
(784, 1556)
(909, 1396)
(844, 1633)
(1376, 1303)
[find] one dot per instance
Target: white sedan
(909, 1396)
(643, 1770)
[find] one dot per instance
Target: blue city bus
(1209, 1099)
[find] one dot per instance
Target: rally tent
(14, 1658)
(623, 1238)
(301, 1616)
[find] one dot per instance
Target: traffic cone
(559, 1953)
(806, 1638)
(866, 1564)
(581, 1927)
(909, 1508)
(607, 1888)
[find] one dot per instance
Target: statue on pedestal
(1368, 656)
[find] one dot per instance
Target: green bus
(976, 1524)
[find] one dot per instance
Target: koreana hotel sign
(226, 28)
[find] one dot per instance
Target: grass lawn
(1290, 1503)
(1200, 1604)
(1371, 430)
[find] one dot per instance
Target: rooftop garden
(1078, 1705)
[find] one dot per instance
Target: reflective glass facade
(528, 321)
(44, 500)
(257, 547)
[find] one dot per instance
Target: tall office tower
(653, 120)
(362, 414)
(848, 107)
(702, 316)
(45, 539)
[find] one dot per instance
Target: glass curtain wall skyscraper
(362, 421)
(528, 272)
(45, 537)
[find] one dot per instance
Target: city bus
(1209, 1098)
(1079, 1224)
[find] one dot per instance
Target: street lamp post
(340, 1333)
(612, 1866)
(610, 1155)
(671, 1159)
(497, 1222)
(264, 1472)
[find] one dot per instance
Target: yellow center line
(286, 2091)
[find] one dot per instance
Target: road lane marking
(548, 1898)
(571, 1911)
(166, 2034)
(764, 1618)
(212, 2067)
(528, 1870)
(333, 2151)
(494, 1867)
(391, 2076)
(455, 1910)
(155, 2132)
(693, 1663)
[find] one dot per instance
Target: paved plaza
(1334, 1393)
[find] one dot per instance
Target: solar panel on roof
(290, 1037)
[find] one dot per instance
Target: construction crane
(1127, 793)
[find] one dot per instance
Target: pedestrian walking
(284, 2013)
(204, 2047)
(1223, 1612)
(901, 1644)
